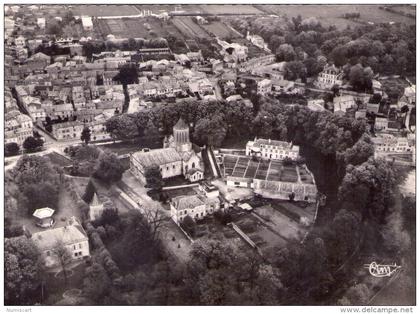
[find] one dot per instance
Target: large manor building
(177, 157)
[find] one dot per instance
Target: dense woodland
(306, 45)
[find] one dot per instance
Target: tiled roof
(184, 202)
(157, 157)
(67, 235)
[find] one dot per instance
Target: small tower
(182, 136)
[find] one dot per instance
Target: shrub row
(104, 257)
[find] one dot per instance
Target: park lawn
(66, 208)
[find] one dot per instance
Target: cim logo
(378, 270)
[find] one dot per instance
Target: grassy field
(331, 14)
(104, 10)
(188, 28)
(137, 28)
(230, 9)
(220, 30)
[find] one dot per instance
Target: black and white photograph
(253, 154)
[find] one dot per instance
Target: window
(74, 247)
(80, 245)
(48, 253)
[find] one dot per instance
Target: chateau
(270, 149)
(177, 157)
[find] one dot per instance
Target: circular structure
(44, 217)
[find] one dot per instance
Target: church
(177, 157)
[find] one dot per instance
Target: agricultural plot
(188, 28)
(275, 170)
(332, 14)
(230, 9)
(137, 28)
(220, 30)
(104, 10)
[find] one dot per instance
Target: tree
(361, 78)
(122, 127)
(285, 52)
(189, 225)
(153, 177)
(32, 144)
(38, 183)
(128, 74)
(86, 133)
(295, 70)
(11, 149)
(367, 188)
(22, 271)
(210, 131)
(109, 168)
(63, 256)
(96, 284)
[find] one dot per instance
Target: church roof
(157, 157)
(180, 125)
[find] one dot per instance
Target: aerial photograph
(209, 154)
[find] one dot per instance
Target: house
(67, 130)
(38, 61)
(17, 128)
(20, 41)
(282, 86)
(381, 124)
(72, 236)
(233, 51)
(386, 144)
(342, 103)
(271, 149)
(330, 76)
(187, 205)
(257, 41)
(205, 202)
(256, 62)
(316, 104)
(264, 86)
(41, 22)
(87, 23)
(177, 157)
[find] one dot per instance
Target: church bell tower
(182, 136)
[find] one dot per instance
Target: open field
(331, 14)
(188, 28)
(104, 10)
(230, 9)
(220, 30)
(136, 28)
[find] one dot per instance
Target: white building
(386, 144)
(197, 206)
(41, 22)
(264, 86)
(87, 23)
(330, 76)
(257, 41)
(72, 236)
(270, 149)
